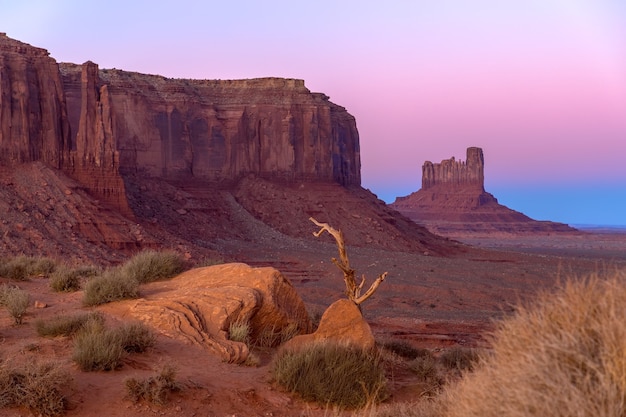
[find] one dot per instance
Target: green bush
(66, 325)
(328, 373)
(150, 265)
(15, 300)
(37, 387)
(112, 285)
(97, 349)
(155, 389)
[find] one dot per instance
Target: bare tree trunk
(353, 291)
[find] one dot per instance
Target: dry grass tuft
(331, 374)
(22, 267)
(37, 387)
(112, 285)
(66, 325)
(151, 265)
(565, 356)
(155, 389)
(15, 300)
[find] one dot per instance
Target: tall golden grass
(563, 356)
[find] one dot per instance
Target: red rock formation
(453, 201)
(211, 129)
(170, 155)
(33, 120)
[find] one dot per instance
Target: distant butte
(453, 202)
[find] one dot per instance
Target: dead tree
(353, 291)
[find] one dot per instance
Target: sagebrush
(112, 285)
(67, 325)
(151, 265)
(332, 374)
(155, 389)
(15, 300)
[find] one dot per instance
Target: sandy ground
(427, 301)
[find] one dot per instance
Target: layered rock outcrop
(33, 118)
(453, 202)
(209, 129)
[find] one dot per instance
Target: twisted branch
(353, 291)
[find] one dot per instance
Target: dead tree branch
(353, 291)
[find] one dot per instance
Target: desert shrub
(65, 279)
(22, 267)
(150, 265)
(15, 300)
(563, 356)
(459, 358)
(112, 285)
(155, 389)
(405, 350)
(66, 325)
(425, 368)
(134, 337)
(37, 387)
(333, 374)
(97, 349)
(239, 331)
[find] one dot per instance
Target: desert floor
(427, 301)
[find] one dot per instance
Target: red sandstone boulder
(199, 305)
(341, 323)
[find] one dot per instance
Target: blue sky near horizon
(540, 85)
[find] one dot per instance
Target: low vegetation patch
(67, 325)
(112, 285)
(151, 265)
(459, 358)
(332, 374)
(405, 350)
(68, 279)
(21, 268)
(37, 387)
(15, 300)
(239, 331)
(563, 356)
(99, 349)
(155, 389)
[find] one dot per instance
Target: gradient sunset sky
(540, 85)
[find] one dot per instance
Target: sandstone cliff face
(453, 202)
(33, 120)
(209, 129)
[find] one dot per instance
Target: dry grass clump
(68, 279)
(15, 300)
(344, 376)
(151, 265)
(67, 325)
(37, 387)
(112, 285)
(459, 358)
(413, 409)
(155, 389)
(239, 331)
(99, 349)
(565, 356)
(22, 267)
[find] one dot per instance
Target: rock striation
(453, 202)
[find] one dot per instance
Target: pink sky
(540, 85)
